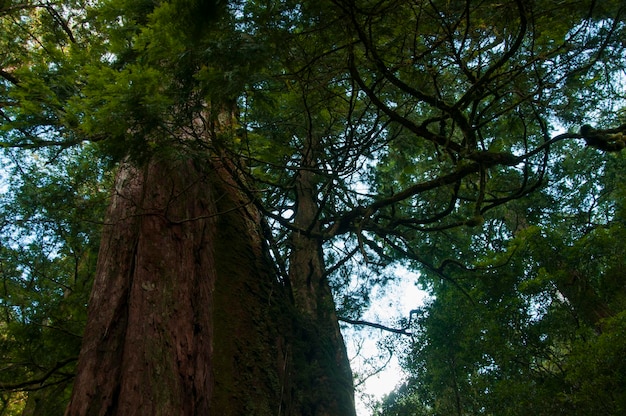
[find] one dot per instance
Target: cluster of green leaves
(50, 218)
(533, 319)
(51, 205)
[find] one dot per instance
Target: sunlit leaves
(50, 225)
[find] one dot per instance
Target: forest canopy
(476, 143)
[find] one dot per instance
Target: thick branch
(9, 77)
(342, 225)
(608, 140)
(59, 19)
(420, 130)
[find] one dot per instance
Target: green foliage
(48, 250)
(596, 370)
(534, 323)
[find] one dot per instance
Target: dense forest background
(295, 153)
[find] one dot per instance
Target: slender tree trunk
(186, 316)
(582, 296)
(329, 379)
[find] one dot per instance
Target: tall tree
(260, 148)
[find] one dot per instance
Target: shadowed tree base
(186, 315)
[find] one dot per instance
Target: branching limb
(608, 140)
(401, 331)
(39, 382)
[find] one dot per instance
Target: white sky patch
(366, 346)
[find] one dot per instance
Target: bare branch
(401, 331)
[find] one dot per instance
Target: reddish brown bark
(142, 326)
(186, 316)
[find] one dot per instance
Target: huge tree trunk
(186, 315)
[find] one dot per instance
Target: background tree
(262, 149)
(529, 318)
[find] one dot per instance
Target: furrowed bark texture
(186, 315)
(168, 307)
